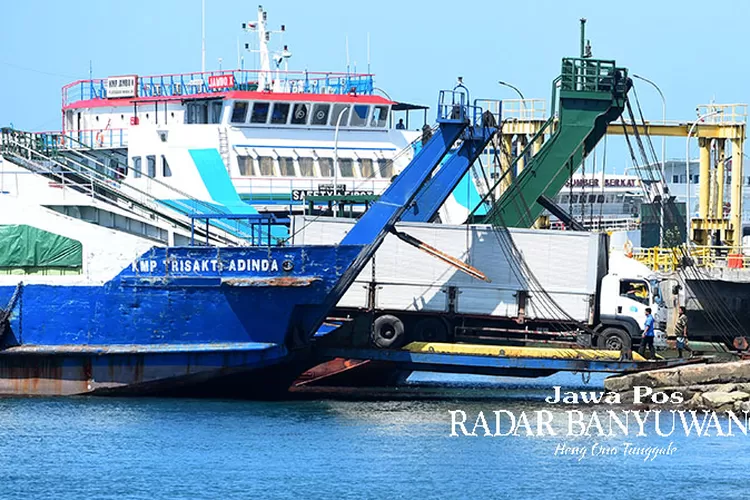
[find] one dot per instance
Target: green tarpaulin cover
(26, 246)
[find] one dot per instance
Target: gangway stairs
(100, 176)
(592, 94)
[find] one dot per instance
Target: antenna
(203, 36)
(368, 52)
(347, 53)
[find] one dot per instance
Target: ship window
(320, 114)
(600, 198)
(136, 166)
(365, 166)
(574, 198)
(260, 112)
(379, 116)
(197, 112)
(151, 166)
(340, 109)
(346, 167)
(166, 171)
(564, 198)
(245, 163)
(306, 166)
(265, 164)
(676, 179)
(239, 113)
(216, 107)
(359, 117)
(280, 112)
(385, 168)
(326, 167)
(286, 166)
(301, 110)
(592, 198)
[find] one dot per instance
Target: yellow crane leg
(704, 177)
(735, 214)
(719, 201)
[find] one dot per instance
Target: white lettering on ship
(197, 266)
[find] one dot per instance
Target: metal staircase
(592, 94)
(101, 176)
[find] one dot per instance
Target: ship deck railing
(703, 256)
(218, 82)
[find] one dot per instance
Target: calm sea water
(389, 445)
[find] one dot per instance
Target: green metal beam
(591, 96)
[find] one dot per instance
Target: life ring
(99, 139)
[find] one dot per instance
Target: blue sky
(694, 51)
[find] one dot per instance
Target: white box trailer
(406, 283)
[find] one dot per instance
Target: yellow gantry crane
(721, 126)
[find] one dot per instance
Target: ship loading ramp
(476, 359)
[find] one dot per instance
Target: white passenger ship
(265, 137)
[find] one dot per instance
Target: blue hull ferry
(210, 318)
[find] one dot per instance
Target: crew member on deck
(680, 331)
(648, 335)
(400, 125)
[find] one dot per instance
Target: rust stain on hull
(280, 281)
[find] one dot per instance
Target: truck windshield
(635, 289)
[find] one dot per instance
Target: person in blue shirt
(647, 340)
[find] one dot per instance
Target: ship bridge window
(675, 179)
(286, 166)
(239, 112)
(320, 114)
(365, 166)
(385, 168)
(326, 167)
(346, 167)
(165, 170)
(280, 113)
(245, 163)
(340, 109)
(359, 117)
(151, 166)
(136, 166)
(197, 112)
(265, 165)
(260, 112)
(600, 198)
(215, 115)
(306, 166)
(301, 111)
(379, 116)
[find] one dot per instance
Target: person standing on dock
(680, 331)
(648, 335)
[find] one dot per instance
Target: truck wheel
(387, 331)
(614, 339)
(431, 330)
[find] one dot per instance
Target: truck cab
(626, 291)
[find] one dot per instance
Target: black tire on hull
(431, 330)
(388, 331)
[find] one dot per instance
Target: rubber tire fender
(431, 330)
(388, 332)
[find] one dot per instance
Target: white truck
(569, 285)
